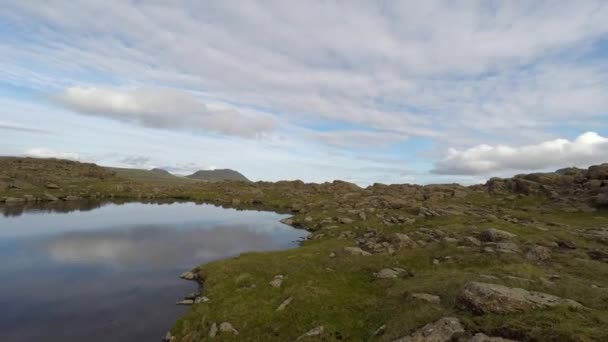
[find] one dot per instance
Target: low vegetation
(522, 259)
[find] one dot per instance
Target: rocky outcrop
(484, 298)
(442, 330)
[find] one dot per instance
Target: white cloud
(361, 139)
(586, 149)
(162, 108)
(43, 152)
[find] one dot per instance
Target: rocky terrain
(518, 259)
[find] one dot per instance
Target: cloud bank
(43, 152)
(162, 108)
(586, 149)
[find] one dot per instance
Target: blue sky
(366, 91)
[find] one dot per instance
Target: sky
(363, 91)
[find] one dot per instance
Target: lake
(110, 272)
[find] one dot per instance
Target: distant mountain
(218, 175)
(161, 171)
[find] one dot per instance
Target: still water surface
(92, 272)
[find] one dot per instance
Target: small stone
(226, 327)
(284, 304)
(386, 273)
(188, 275)
(201, 299)
(507, 247)
(277, 281)
(538, 253)
(345, 220)
(565, 244)
(317, 331)
(356, 251)
(471, 241)
(480, 337)
(332, 255)
(380, 331)
(308, 219)
(213, 330)
(50, 185)
(427, 297)
(185, 302)
(168, 336)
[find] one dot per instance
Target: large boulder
(442, 330)
(484, 298)
(598, 172)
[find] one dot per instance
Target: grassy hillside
(218, 175)
(153, 176)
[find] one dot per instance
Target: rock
(427, 297)
(507, 247)
(185, 302)
(284, 304)
(213, 330)
(600, 235)
(201, 299)
(345, 220)
(188, 275)
(598, 255)
(495, 235)
(443, 330)
(168, 337)
(317, 331)
(50, 197)
(471, 241)
(277, 281)
(356, 251)
(483, 298)
(14, 200)
(51, 186)
(479, 337)
(72, 198)
(226, 327)
(387, 273)
(288, 221)
(402, 240)
(380, 331)
(362, 216)
(308, 219)
(538, 253)
(566, 244)
(332, 255)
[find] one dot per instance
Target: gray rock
(600, 235)
(277, 281)
(482, 298)
(403, 240)
(188, 275)
(443, 330)
(345, 220)
(479, 337)
(50, 197)
(201, 299)
(317, 331)
(495, 235)
(284, 304)
(356, 251)
(507, 247)
(168, 337)
(427, 297)
(226, 327)
(471, 241)
(538, 253)
(213, 330)
(51, 185)
(72, 198)
(14, 200)
(185, 302)
(387, 273)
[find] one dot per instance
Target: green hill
(218, 175)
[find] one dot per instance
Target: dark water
(91, 272)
